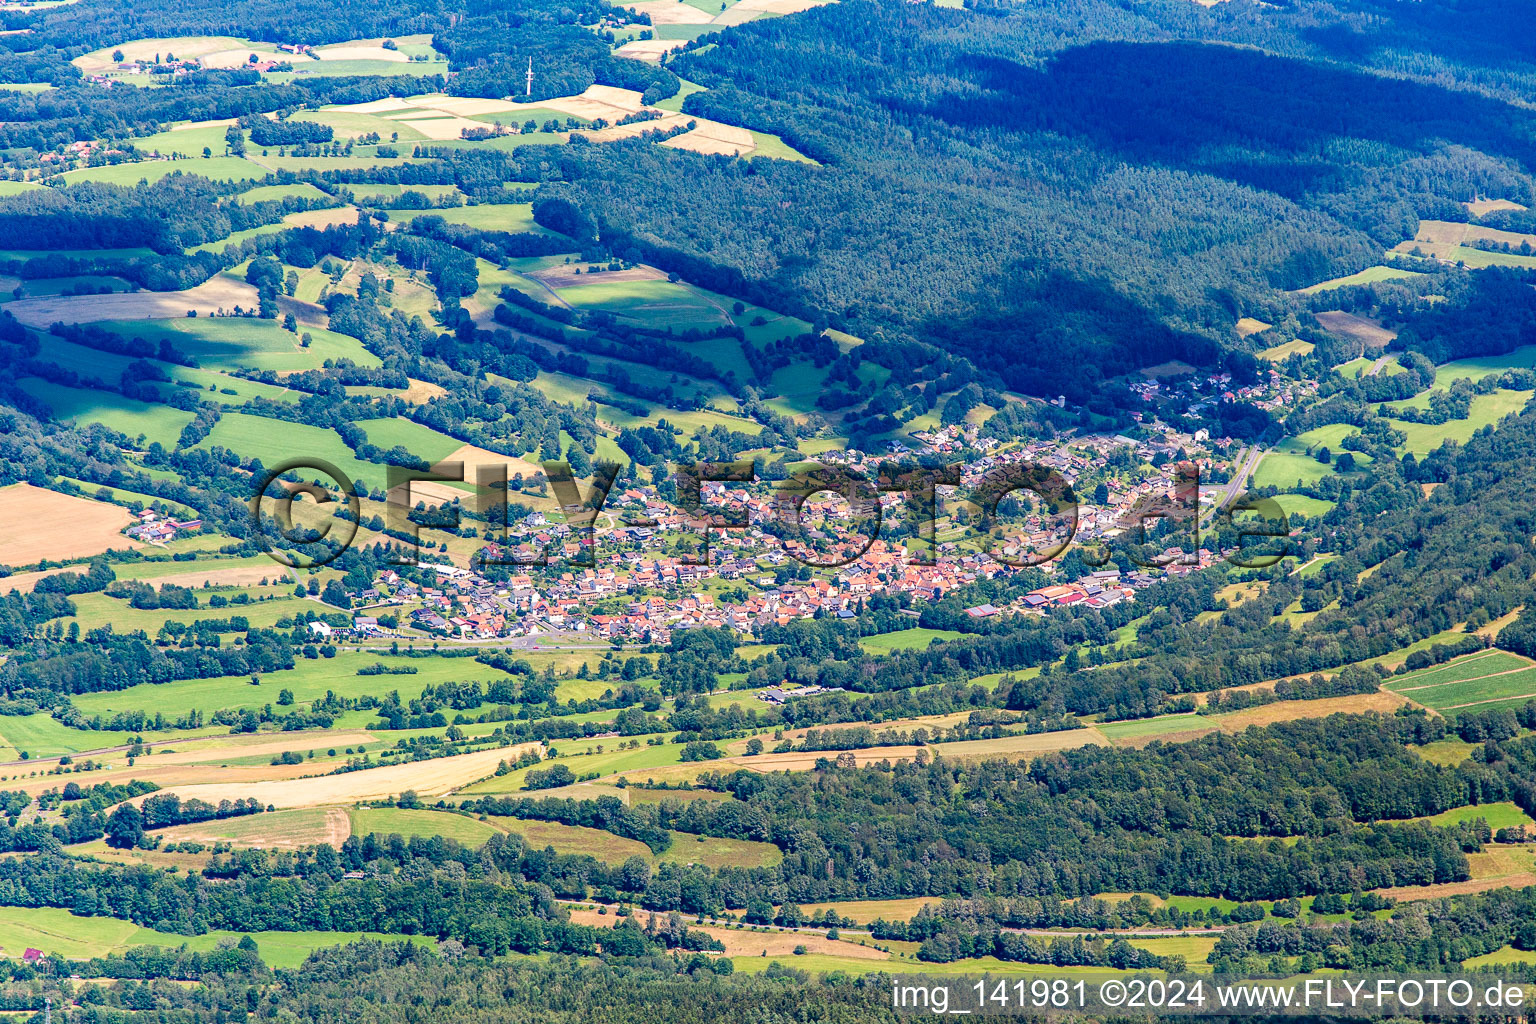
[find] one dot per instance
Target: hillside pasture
(218, 168)
(52, 930)
(236, 343)
(308, 680)
(276, 441)
(1422, 438)
(127, 416)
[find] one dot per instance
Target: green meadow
(70, 935)
(125, 415)
(905, 639)
(308, 679)
(231, 343)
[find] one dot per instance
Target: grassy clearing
(1302, 505)
(514, 217)
(1422, 438)
(275, 441)
(421, 441)
(1156, 728)
(906, 639)
(309, 680)
(424, 823)
(1283, 351)
(234, 343)
(41, 735)
(575, 839)
(1497, 815)
(1502, 958)
(712, 852)
(91, 363)
(70, 935)
(658, 304)
(1477, 367)
(1370, 275)
(218, 168)
(125, 415)
(1447, 753)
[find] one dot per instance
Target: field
(127, 416)
(514, 217)
(308, 681)
(575, 839)
(219, 168)
(1370, 275)
(1279, 353)
(42, 735)
(1472, 681)
(1362, 329)
(70, 935)
(274, 830)
(275, 441)
(905, 639)
(408, 823)
(1497, 815)
(1422, 438)
(428, 778)
(713, 852)
(1300, 504)
(232, 343)
(1477, 367)
(216, 295)
(46, 524)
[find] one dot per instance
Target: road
(1247, 462)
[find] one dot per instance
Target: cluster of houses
(1194, 395)
(152, 527)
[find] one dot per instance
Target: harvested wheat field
(389, 103)
(36, 524)
(322, 218)
(1411, 893)
(1250, 325)
(1368, 332)
(239, 576)
(433, 778)
(648, 50)
(749, 943)
(1480, 207)
(177, 776)
(216, 294)
(441, 128)
(1293, 710)
(619, 132)
(598, 101)
(670, 12)
(273, 830)
(713, 138)
(224, 748)
(1006, 747)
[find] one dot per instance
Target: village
(643, 587)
